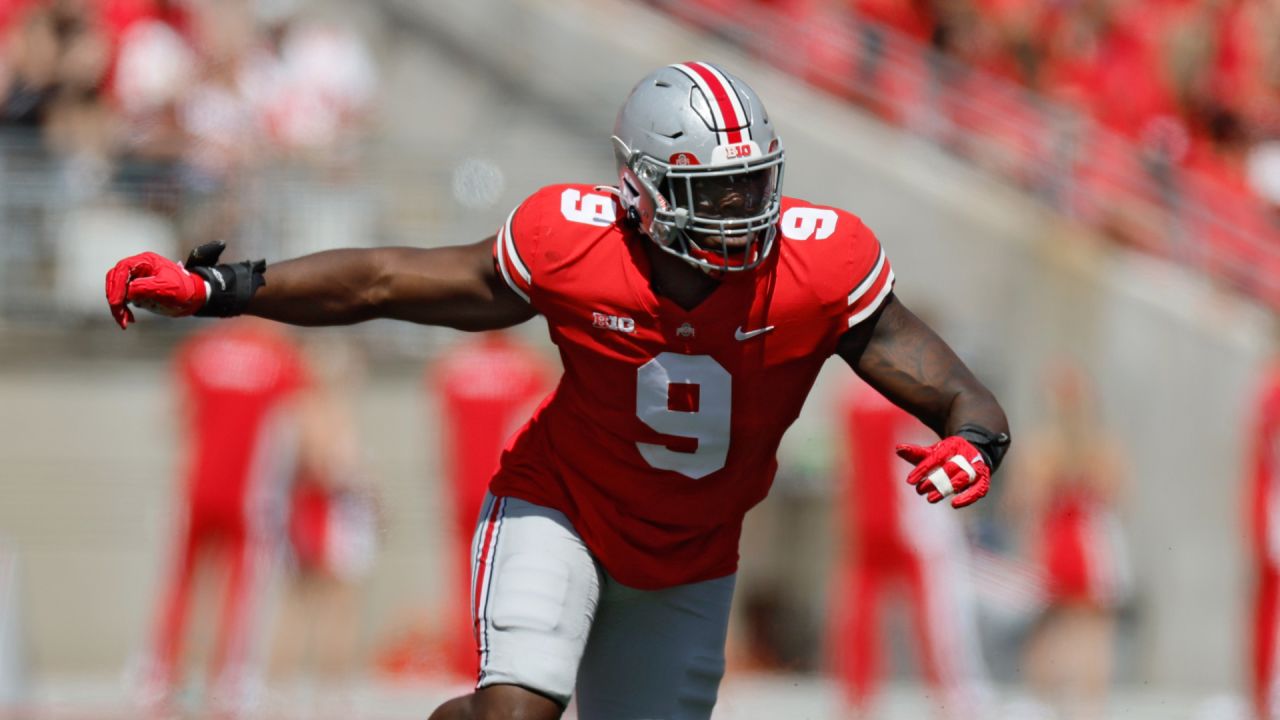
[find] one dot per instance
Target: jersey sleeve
(516, 247)
(872, 276)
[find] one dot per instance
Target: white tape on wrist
(941, 482)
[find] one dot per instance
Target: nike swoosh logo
(742, 336)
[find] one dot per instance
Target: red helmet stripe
(724, 101)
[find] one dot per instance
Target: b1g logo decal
(587, 208)
(808, 223)
(738, 151)
(613, 322)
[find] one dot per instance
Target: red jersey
(235, 377)
(663, 430)
(1081, 549)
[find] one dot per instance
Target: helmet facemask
(718, 217)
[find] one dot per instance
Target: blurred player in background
(1071, 478)
(901, 550)
(693, 306)
(1263, 517)
(487, 388)
(237, 383)
(332, 529)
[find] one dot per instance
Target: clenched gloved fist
(950, 466)
(154, 283)
(198, 286)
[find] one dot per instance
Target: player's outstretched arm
(903, 359)
(454, 286)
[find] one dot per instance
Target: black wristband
(230, 287)
(993, 446)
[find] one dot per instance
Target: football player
(902, 553)
(239, 386)
(693, 305)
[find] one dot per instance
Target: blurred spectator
(1062, 498)
(182, 102)
(155, 64)
(1262, 516)
(1162, 118)
(244, 121)
(333, 531)
(325, 81)
(899, 548)
(238, 382)
(56, 59)
(54, 51)
(487, 386)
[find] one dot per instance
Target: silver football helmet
(700, 166)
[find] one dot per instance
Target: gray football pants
(548, 617)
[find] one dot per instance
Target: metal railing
(64, 219)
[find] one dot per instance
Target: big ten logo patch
(613, 322)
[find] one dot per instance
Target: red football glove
(951, 465)
(154, 283)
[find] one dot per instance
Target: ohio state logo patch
(683, 158)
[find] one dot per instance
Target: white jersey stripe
(741, 114)
(514, 253)
(502, 266)
(868, 310)
(486, 583)
(477, 547)
(869, 280)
